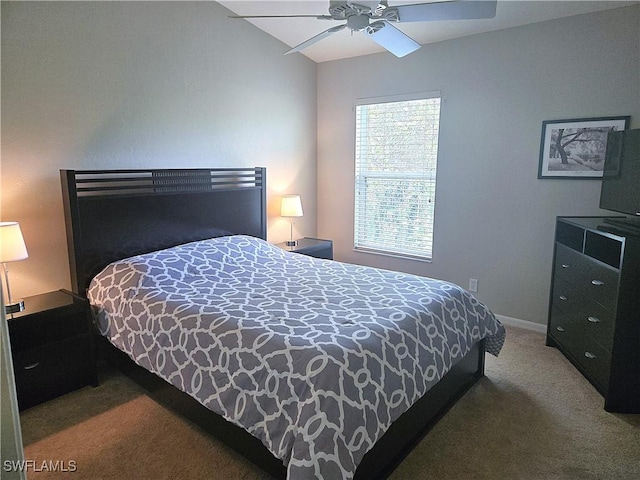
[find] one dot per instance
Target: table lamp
(291, 207)
(12, 248)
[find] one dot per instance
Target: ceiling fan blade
(456, 10)
(315, 39)
(389, 37)
(318, 17)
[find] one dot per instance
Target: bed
(310, 368)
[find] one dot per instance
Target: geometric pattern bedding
(316, 358)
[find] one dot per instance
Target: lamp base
(14, 307)
(292, 243)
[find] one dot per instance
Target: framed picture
(576, 148)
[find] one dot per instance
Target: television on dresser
(620, 190)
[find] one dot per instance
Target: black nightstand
(314, 247)
(51, 347)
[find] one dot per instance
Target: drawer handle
(560, 329)
(564, 265)
(597, 283)
(594, 319)
(31, 366)
(589, 355)
(563, 298)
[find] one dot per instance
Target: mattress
(314, 357)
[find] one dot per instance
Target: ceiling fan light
(357, 22)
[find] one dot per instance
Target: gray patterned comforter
(315, 358)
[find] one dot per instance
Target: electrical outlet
(473, 284)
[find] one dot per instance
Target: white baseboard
(516, 322)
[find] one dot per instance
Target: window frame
(359, 177)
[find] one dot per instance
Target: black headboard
(115, 214)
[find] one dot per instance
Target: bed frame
(114, 214)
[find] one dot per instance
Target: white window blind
(396, 159)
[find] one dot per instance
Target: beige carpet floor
(532, 417)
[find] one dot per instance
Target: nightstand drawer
(51, 370)
(320, 251)
(46, 327)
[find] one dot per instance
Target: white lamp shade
(291, 206)
(12, 245)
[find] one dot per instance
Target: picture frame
(575, 148)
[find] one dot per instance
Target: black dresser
(594, 312)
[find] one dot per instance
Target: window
(396, 158)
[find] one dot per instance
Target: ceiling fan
(375, 18)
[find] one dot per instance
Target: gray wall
(103, 85)
(494, 219)
(164, 84)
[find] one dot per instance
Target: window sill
(382, 253)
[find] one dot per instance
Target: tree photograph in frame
(576, 148)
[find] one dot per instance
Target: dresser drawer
(565, 331)
(593, 360)
(595, 280)
(596, 362)
(589, 317)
